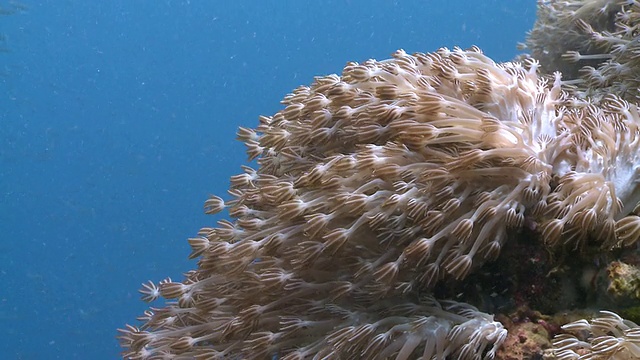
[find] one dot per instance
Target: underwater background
(118, 119)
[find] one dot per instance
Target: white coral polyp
(608, 337)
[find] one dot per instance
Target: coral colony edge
(388, 199)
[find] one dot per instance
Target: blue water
(118, 118)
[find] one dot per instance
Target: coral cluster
(594, 42)
(559, 29)
(378, 186)
(595, 45)
(606, 337)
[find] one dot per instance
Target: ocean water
(118, 119)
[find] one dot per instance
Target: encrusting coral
(623, 282)
(376, 186)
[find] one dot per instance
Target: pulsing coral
(558, 35)
(374, 186)
(607, 336)
(593, 42)
(599, 189)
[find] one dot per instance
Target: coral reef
(389, 198)
(526, 340)
(380, 188)
(595, 45)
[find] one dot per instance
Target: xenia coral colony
(607, 337)
(593, 42)
(378, 186)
